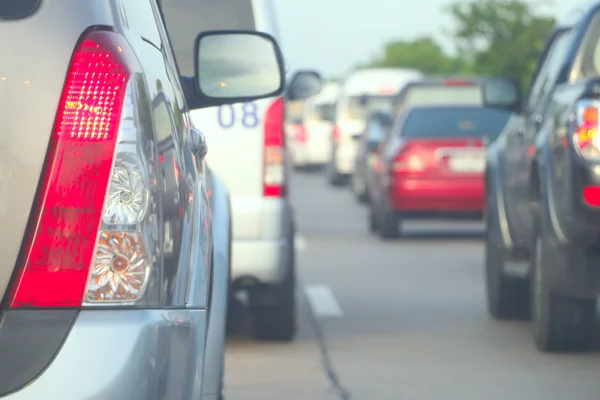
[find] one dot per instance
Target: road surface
(395, 320)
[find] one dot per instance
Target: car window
(186, 18)
(375, 131)
(18, 9)
(454, 122)
(551, 64)
(440, 94)
(590, 58)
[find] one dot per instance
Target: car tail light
(300, 134)
(585, 136)
(407, 161)
(89, 241)
(336, 133)
(591, 195)
(274, 179)
(457, 82)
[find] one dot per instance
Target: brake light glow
(408, 162)
(300, 134)
(457, 82)
(387, 89)
(336, 133)
(585, 135)
(591, 195)
(64, 228)
(274, 179)
(87, 239)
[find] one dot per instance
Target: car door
(521, 139)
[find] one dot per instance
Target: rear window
(453, 122)
(359, 107)
(13, 9)
(440, 94)
(186, 18)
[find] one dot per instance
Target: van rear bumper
(264, 260)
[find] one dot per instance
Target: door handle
(197, 143)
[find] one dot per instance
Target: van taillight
(457, 82)
(85, 243)
(274, 179)
(336, 133)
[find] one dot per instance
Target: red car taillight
(77, 250)
(407, 160)
(274, 175)
(300, 134)
(336, 133)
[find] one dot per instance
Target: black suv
(543, 194)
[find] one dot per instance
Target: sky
(353, 31)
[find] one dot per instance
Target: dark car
(543, 195)
(431, 166)
(378, 123)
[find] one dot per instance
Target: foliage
(493, 37)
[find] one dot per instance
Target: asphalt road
(397, 320)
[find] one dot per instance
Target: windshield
(470, 122)
(359, 107)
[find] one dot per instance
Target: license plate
(467, 163)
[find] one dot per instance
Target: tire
(388, 224)
(507, 296)
(373, 228)
(277, 322)
(560, 323)
(361, 194)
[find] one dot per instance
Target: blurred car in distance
(477, 91)
(310, 141)
(248, 152)
(361, 93)
(543, 195)
(108, 267)
(431, 165)
(378, 124)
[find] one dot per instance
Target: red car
(431, 165)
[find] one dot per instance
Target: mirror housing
(503, 93)
(234, 66)
(373, 146)
(304, 84)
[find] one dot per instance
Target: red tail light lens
(274, 180)
(300, 134)
(407, 160)
(591, 195)
(586, 132)
(336, 133)
(67, 214)
(457, 82)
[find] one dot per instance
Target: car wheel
(388, 224)
(372, 219)
(507, 296)
(277, 321)
(560, 323)
(359, 189)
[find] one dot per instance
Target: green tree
(500, 37)
(423, 54)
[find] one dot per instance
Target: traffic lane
(413, 322)
(275, 371)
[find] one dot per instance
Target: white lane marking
(322, 301)
(299, 242)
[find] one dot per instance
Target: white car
(248, 152)
(310, 139)
(362, 92)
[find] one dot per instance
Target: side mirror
(234, 66)
(504, 93)
(304, 84)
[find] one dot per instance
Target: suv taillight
(585, 131)
(274, 174)
(88, 234)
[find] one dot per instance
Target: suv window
(18, 9)
(186, 18)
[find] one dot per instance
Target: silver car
(116, 235)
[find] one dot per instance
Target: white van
(311, 142)
(246, 148)
(362, 92)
